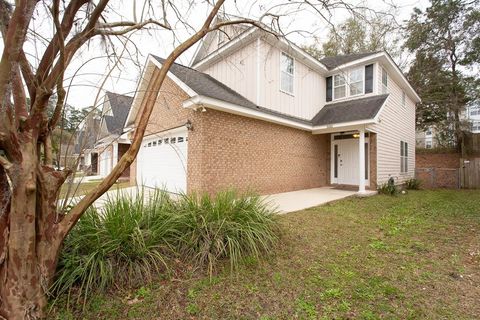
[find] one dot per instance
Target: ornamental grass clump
(229, 226)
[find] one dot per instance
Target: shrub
(388, 188)
(231, 225)
(412, 184)
(126, 244)
(131, 241)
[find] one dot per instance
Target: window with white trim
(475, 111)
(384, 81)
(475, 126)
(428, 144)
(339, 86)
(357, 79)
(403, 157)
(404, 99)
(287, 70)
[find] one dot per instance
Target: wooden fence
(470, 173)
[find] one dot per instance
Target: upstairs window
(476, 126)
(384, 81)
(287, 70)
(403, 157)
(339, 86)
(356, 81)
(475, 111)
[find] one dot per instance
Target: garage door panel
(162, 162)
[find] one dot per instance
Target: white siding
(239, 72)
(397, 123)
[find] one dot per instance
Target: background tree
(357, 35)
(32, 226)
(444, 39)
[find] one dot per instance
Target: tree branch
(148, 101)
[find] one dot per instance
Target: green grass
(79, 189)
(414, 256)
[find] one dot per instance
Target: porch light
(189, 125)
(356, 135)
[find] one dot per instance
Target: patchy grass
(414, 256)
(85, 187)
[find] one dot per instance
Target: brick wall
(437, 160)
(253, 154)
(438, 170)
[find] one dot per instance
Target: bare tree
(32, 228)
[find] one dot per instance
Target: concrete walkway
(303, 199)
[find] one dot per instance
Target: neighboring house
(257, 112)
(426, 139)
(84, 149)
(112, 142)
(470, 117)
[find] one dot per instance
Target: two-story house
(257, 112)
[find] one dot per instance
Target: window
(287, 70)
(154, 143)
(475, 111)
(339, 86)
(173, 140)
(356, 81)
(366, 160)
(428, 144)
(428, 132)
(404, 99)
(149, 144)
(476, 126)
(384, 81)
(180, 139)
(403, 157)
(160, 142)
(165, 140)
(335, 166)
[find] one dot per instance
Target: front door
(345, 160)
(348, 161)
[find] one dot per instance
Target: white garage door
(162, 161)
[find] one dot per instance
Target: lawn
(83, 188)
(414, 256)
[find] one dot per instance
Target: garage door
(162, 161)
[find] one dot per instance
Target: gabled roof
(205, 85)
(351, 110)
(86, 138)
(336, 61)
(120, 106)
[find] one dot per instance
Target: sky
(91, 70)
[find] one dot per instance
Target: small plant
(388, 188)
(412, 184)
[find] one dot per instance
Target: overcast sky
(90, 74)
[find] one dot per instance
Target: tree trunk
(26, 270)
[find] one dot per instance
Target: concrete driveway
(283, 202)
(303, 199)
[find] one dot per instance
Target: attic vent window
(287, 69)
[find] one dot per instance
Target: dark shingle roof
(120, 105)
(205, 85)
(87, 137)
(352, 110)
(335, 61)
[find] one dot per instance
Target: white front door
(162, 161)
(345, 167)
(348, 161)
